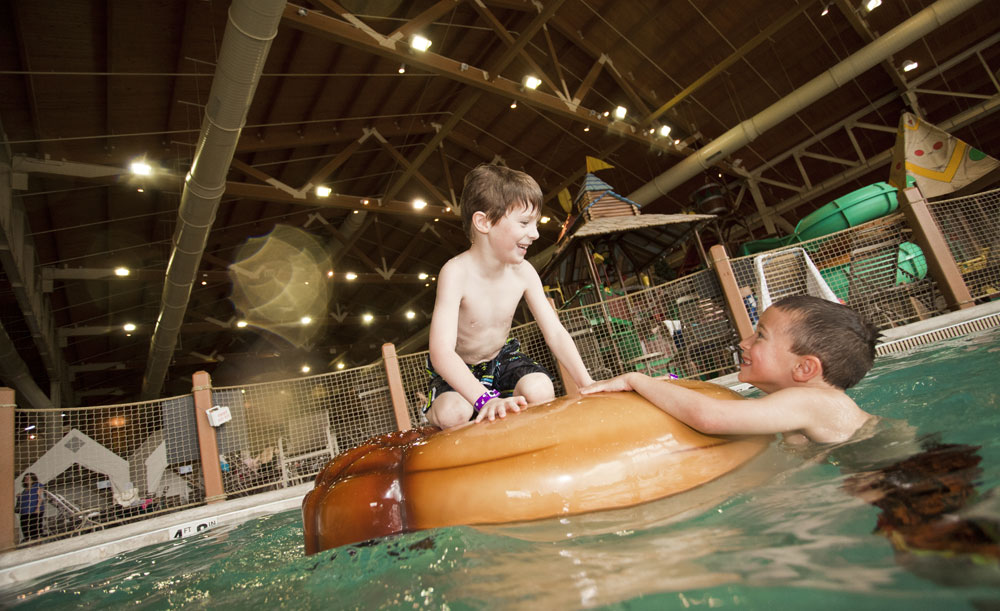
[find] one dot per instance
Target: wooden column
(396, 391)
(8, 536)
(929, 238)
(731, 291)
(208, 447)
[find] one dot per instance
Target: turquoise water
(798, 537)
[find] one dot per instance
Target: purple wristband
(484, 399)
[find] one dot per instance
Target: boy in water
(805, 353)
(472, 362)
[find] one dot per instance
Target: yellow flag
(565, 200)
(594, 164)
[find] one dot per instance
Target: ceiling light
(544, 220)
(329, 274)
(652, 130)
(141, 168)
(140, 190)
(129, 327)
(241, 324)
(351, 276)
(323, 191)
(586, 129)
(306, 369)
(532, 82)
(871, 5)
(410, 314)
(364, 202)
(664, 130)
(677, 141)
(620, 112)
(306, 320)
(340, 365)
(367, 318)
(419, 204)
(909, 65)
(402, 68)
(420, 43)
(607, 112)
(513, 104)
(826, 10)
(422, 276)
(204, 283)
(122, 271)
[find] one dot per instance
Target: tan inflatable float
(569, 456)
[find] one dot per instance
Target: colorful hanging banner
(938, 162)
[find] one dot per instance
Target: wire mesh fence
(109, 465)
(972, 232)
(874, 268)
(104, 466)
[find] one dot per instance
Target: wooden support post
(568, 382)
(396, 391)
(929, 238)
(211, 471)
(8, 536)
(731, 291)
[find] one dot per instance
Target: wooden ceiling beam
(422, 20)
(344, 33)
(409, 168)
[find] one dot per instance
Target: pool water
(809, 534)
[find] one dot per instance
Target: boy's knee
(449, 410)
(535, 388)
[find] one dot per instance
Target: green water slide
(855, 208)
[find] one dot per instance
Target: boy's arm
(443, 339)
(556, 336)
(791, 409)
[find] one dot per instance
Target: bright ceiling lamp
(620, 112)
(122, 271)
(141, 168)
(323, 191)
(420, 43)
(351, 276)
(664, 130)
(871, 5)
(419, 204)
(241, 324)
(909, 65)
(532, 82)
(410, 314)
(367, 318)
(129, 327)
(306, 369)
(306, 320)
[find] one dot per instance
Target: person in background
(31, 506)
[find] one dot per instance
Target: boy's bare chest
(489, 304)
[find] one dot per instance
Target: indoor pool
(851, 527)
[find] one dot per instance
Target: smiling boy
(805, 352)
(472, 362)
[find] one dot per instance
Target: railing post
(208, 446)
(731, 291)
(568, 382)
(929, 238)
(8, 538)
(391, 362)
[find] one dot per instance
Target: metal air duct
(746, 132)
(251, 26)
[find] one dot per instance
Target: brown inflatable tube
(571, 455)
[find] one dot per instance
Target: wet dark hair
(495, 190)
(842, 339)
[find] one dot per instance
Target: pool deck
(30, 563)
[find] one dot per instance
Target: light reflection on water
(786, 533)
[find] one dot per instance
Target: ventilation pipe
(746, 132)
(251, 26)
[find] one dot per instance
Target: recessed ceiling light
(420, 43)
(141, 168)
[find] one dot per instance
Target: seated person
(805, 353)
(477, 371)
